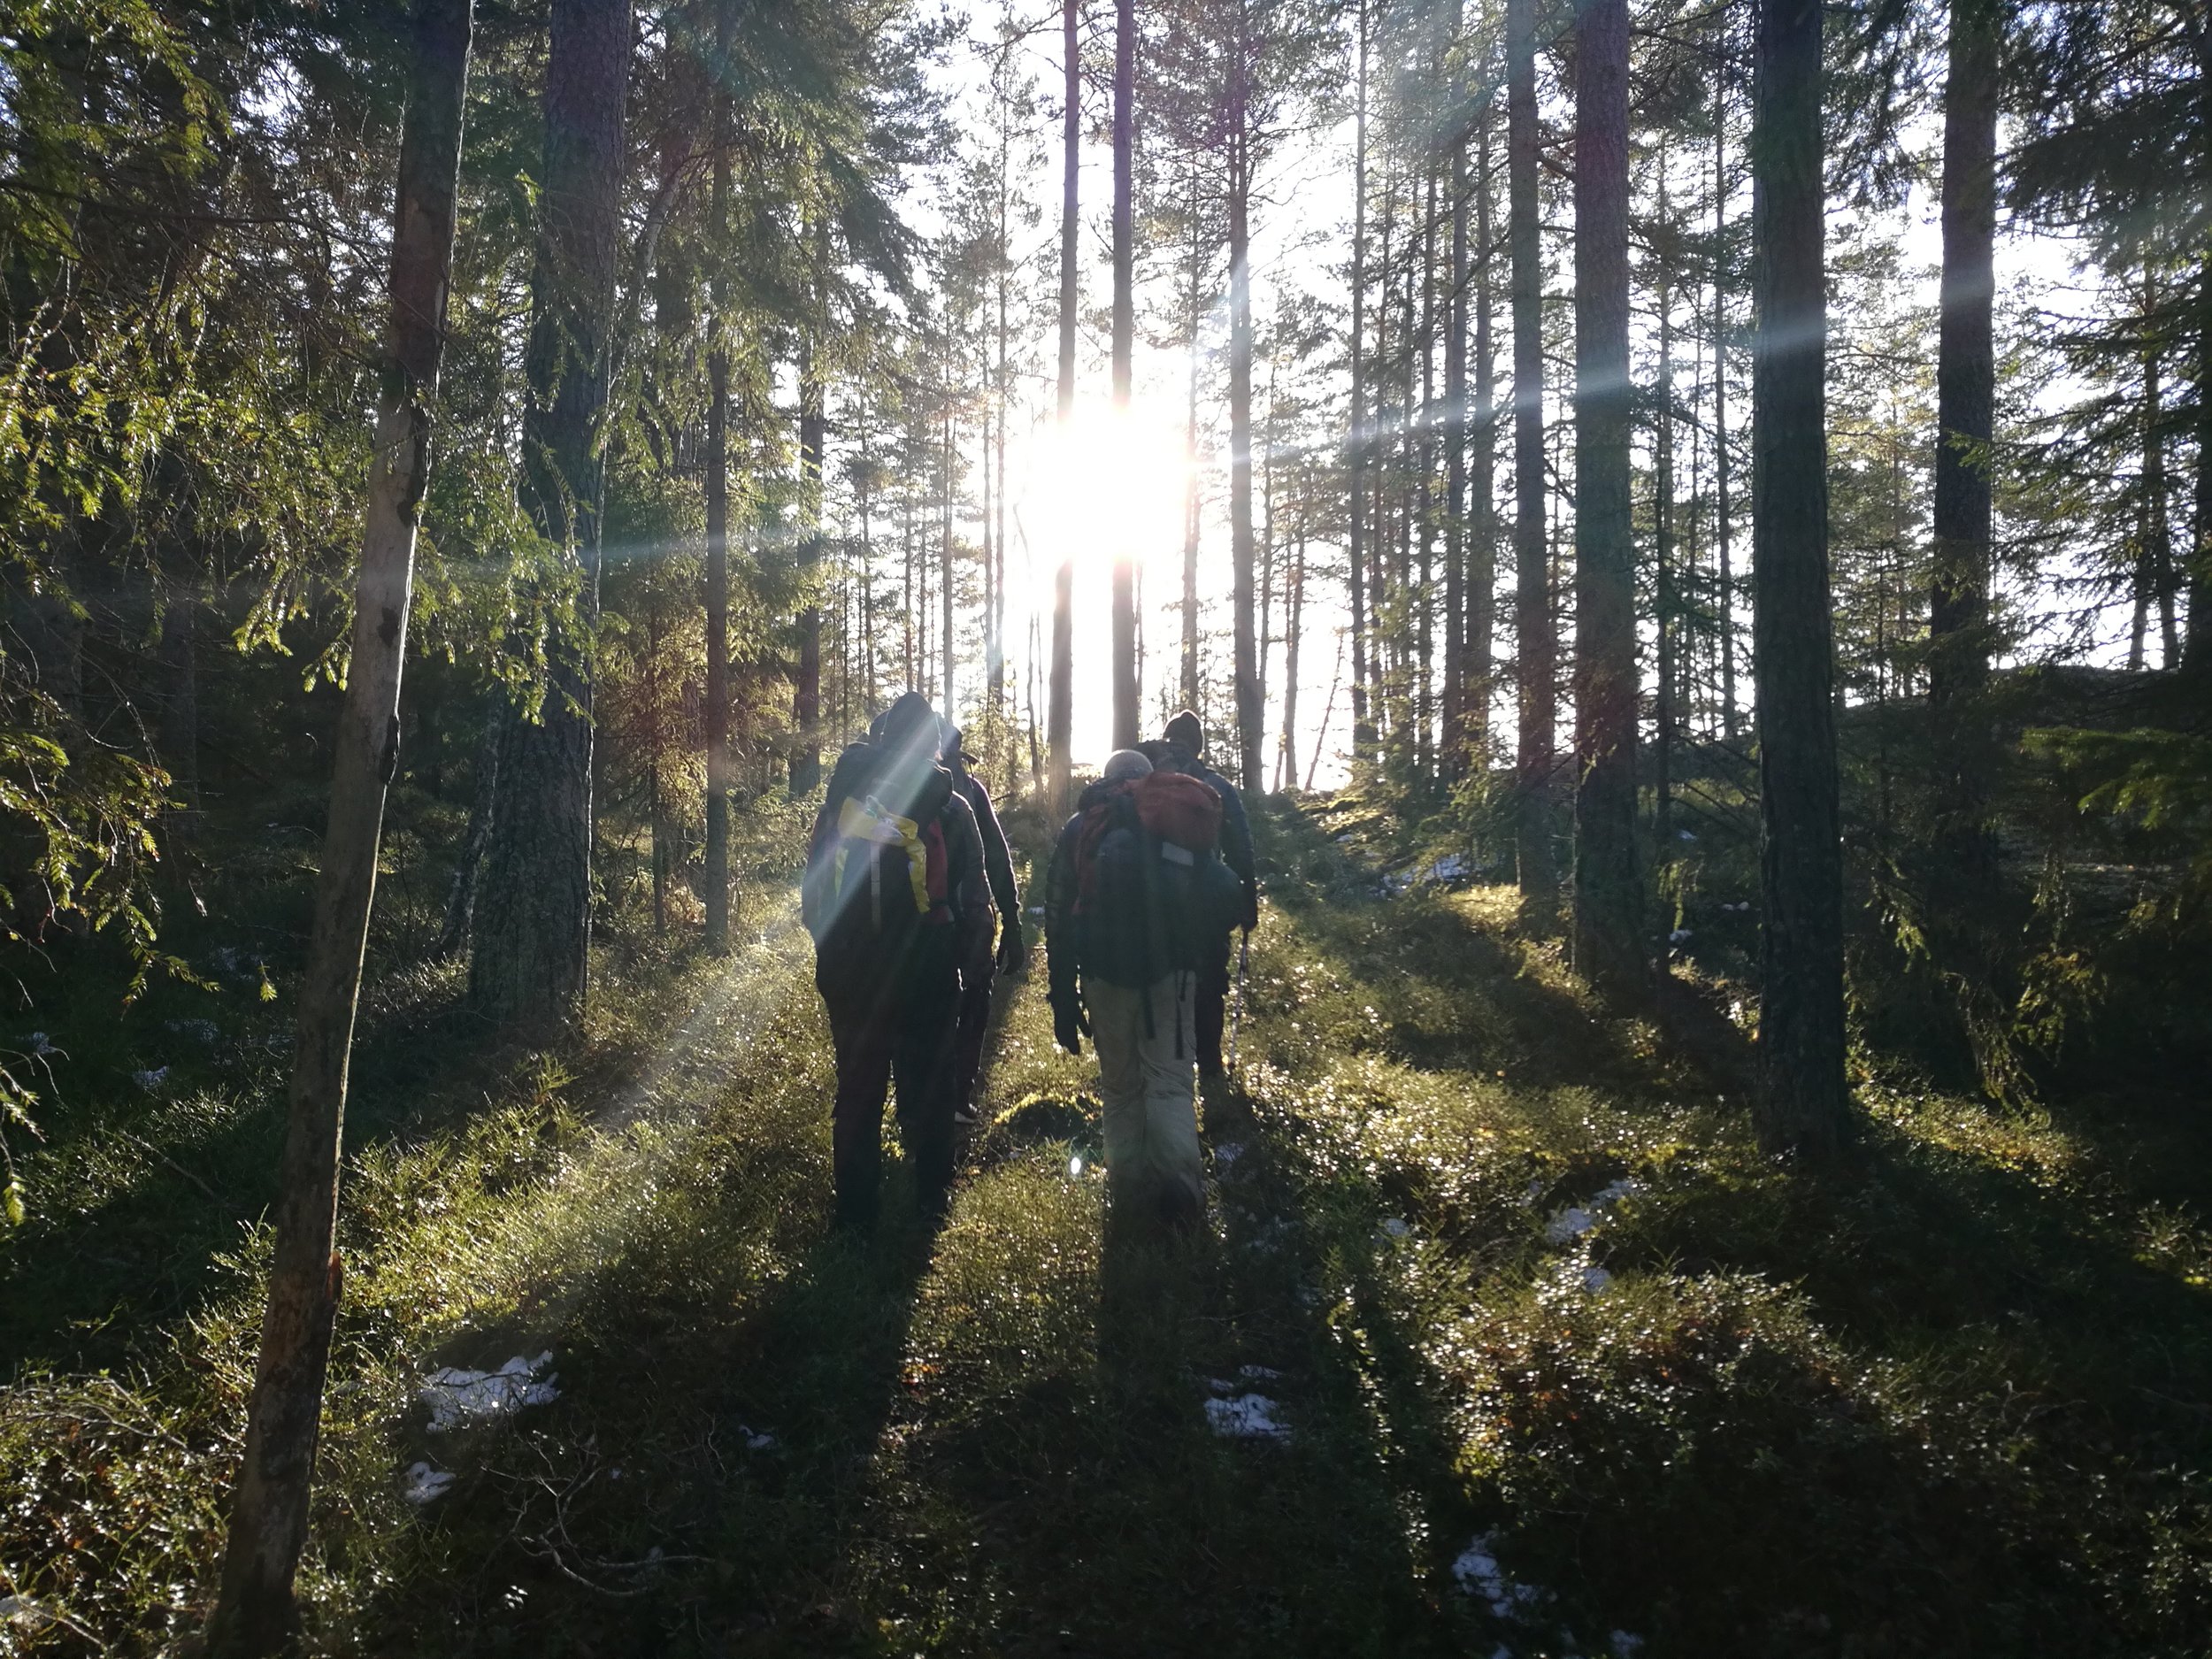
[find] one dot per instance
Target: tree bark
(717, 463)
(255, 1611)
(806, 697)
(1722, 516)
(1802, 1101)
(1966, 390)
(1607, 900)
(1059, 707)
(1128, 714)
(1357, 437)
(528, 972)
(1249, 715)
(1482, 573)
(1452, 736)
(1535, 646)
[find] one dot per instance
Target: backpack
(877, 869)
(1151, 891)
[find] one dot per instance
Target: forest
(1686, 523)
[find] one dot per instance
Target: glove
(1067, 1025)
(1013, 949)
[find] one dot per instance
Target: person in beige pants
(1146, 1037)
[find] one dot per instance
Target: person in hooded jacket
(1184, 740)
(980, 967)
(894, 893)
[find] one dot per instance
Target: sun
(1107, 485)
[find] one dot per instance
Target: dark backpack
(1151, 891)
(876, 871)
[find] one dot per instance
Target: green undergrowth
(1566, 1366)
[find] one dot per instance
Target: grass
(1957, 1399)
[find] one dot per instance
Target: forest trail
(1503, 1339)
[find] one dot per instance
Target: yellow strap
(871, 821)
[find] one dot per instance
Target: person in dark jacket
(980, 966)
(1185, 738)
(895, 891)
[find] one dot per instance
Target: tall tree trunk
(1607, 900)
(1802, 1100)
(1249, 715)
(1357, 437)
(2158, 553)
(527, 973)
(947, 639)
(1482, 572)
(1294, 632)
(717, 463)
(1421, 590)
(1191, 699)
(254, 1611)
(1059, 712)
(1966, 386)
(1535, 647)
(1723, 520)
(1452, 747)
(468, 864)
(1128, 714)
(806, 692)
(1666, 600)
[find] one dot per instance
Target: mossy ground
(1955, 1398)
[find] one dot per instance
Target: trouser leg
(1152, 1157)
(925, 1067)
(1210, 1012)
(977, 976)
(862, 1031)
(1170, 1110)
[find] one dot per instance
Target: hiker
(1184, 740)
(893, 894)
(1136, 887)
(980, 966)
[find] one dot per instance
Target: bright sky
(1106, 487)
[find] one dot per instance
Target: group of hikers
(910, 898)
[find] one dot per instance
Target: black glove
(1067, 1024)
(1013, 948)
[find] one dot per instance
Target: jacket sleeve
(964, 861)
(1236, 849)
(1060, 964)
(998, 858)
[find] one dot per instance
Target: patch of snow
(1476, 1572)
(1595, 1279)
(26, 1613)
(1228, 1153)
(1259, 1373)
(1681, 936)
(759, 1440)
(1570, 1223)
(1075, 1165)
(40, 1043)
(1344, 840)
(1613, 1192)
(204, 1031)
(152, 1078)
(1394, 1228)
(1685, 835)
(422, 1483)
(459, 1399)
(1450, 867)
(1247, 1417)
(1624, 1645)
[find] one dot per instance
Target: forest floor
(1503, 1339)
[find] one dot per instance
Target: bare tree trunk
(1802, 1101)
(1190, 486)
(1452, 745)
(1608, 894)
(255, 1612)
(717, 463)
(1535, 647)
(1966, 387)
(1482, 574)
(1723, 522)
(1286, 764)
(806, 699)
(1249, 715)
(1357, 437)
(528, 972)
(1128, 714)
(1059, 713)
(460, 903)
(1665, 592)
